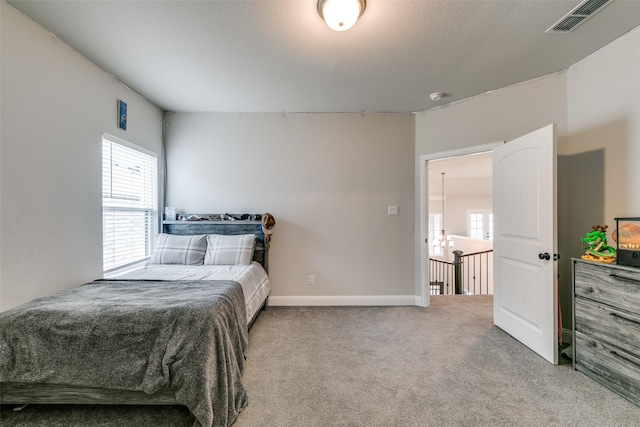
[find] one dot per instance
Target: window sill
(111, 274)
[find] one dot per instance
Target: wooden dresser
(606, 325)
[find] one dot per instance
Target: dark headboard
(223, 227)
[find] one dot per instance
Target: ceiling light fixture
(340, 15)
(444, 240)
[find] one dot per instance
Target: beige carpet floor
(446, 365)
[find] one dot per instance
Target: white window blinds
(129, 204)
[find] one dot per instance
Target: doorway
(454, 186)
(460, 225)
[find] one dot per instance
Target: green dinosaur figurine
(596, 245)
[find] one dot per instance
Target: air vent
(578, 15)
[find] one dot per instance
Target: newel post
(457, 265)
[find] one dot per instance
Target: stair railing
(470, 274)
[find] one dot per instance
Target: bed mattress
(253, 278)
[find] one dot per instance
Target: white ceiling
(279, 56)
(464, 176)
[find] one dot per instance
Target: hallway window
(480, 224)
(435, 231)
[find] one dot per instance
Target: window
(435, 232)
(480, 223)
(129, 203)
(476, 225)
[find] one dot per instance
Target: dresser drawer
(613, 286)
(609, 365)
(608, 324)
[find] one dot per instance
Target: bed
(169, 333)
(252, 278)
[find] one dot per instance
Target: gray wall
(55, 105)
(604, 138)
(327, 179)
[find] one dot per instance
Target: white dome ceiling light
(340, 15)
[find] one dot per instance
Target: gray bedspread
(185, 336)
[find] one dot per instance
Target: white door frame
(423, 299)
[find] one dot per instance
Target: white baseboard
(361, 300)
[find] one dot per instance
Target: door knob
(544, 256)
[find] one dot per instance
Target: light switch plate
(392, 210)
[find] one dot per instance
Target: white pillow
(178, 249)
(229, 250)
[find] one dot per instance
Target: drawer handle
(626, 359)
(625, 318)
(624, 277)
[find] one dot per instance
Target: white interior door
(524, 205)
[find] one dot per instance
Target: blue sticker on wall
(122, 115)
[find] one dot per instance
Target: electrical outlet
(392, 210)
(311, 280)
